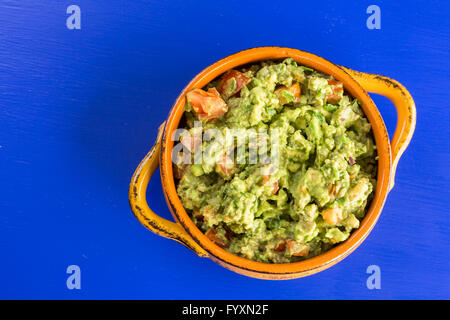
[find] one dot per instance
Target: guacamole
(297, 177)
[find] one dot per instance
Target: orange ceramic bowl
(186, 232)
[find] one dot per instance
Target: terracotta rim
(381, 136)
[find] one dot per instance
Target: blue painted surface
(80, 108)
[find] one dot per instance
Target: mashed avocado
(301, 194)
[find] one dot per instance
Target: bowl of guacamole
(276, 163)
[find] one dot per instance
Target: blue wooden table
(79, 108)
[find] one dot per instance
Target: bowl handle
(404, 103)
(140, 208)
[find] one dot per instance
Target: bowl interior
(327, 258)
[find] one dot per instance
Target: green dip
(307, 201)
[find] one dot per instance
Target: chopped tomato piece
(333, 98)
(333, 82)
(280, 247)
(266, 180)
(208, 105)
(212, 235)
(192, 142)
(275, 187)
(299, 77)
(225, 166)
(289, 94)
(336, 95)
(231, 83)
(332, 216)
(297, 249)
